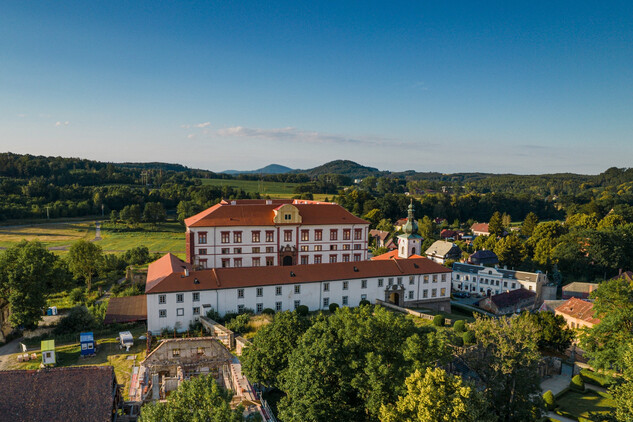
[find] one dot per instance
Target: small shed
(88, 344)
(48, 352)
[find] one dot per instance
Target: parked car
(461, 294)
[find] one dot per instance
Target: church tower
(410, 242)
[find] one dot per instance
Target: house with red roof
(271, 232)
(480, 229)
(578, 313)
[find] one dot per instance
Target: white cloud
(202, 125)
(60, 124)
(191, 136)
(198, 125)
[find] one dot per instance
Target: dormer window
(287, 217)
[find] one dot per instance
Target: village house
(579, 290)
(76, 393)
(480, 229)
(274, 232)
(483, 257)
(442, 251)
(488, 281)
(381, 237)
(578, 313)
(511, 302)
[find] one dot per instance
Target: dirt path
(6, 351)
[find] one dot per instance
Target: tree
(509, 250)
(131, 214)
(606, 342)
(552, 333)
(84, 259)
(137, 256)
(426, 228)
(267, 357)
(198, 399)
(374, 216)
(529, 224)
(495, 225)
(347, 365)
(435, 396)
(623, 393)
(28, 272)
(114, 216)
(154, 212)
(385, 225)
(505, 358)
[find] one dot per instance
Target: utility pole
(48, 217)
(101, 210)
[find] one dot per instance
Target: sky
(502, 87)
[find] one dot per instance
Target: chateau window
(318, 247)
(363, 284)
(318, 235)
(443, 291)
(347, 234)
(304, 260)
(270, 236)
(305, 248)
(237, 237)
(346, 247)
(358, 234)
(162, 299)
(317, 259)
(226, 263)
(180, 297)
(333, 234)
(305, 235)
(255, 237)
(333, 247)
(237, 250)
(345, 301)
(380, 282)
(411, 280)
(202, 238)
(256, 249)
(226, 251)
(425, 293)
(357, 247)
(326, 287)
(434, 278)
(443, 277)
(332, 259)
(225, 237)
(356, 257)
(202, 263)
(270, 261)
(195, 297)
(240, 309)
(345, 257)
(410, 294)
(287, 217)
(390, 281)
(297, 303)
(278, 291)
(270, 249)
(175, 352)
(202, 251)
(240, 293)
(259, 307)
(345, 285)
(196, 310)
(297, 289)
(260, 291)
(256, 262)
(434, 293)
(237, 262)
(287, 235)
(162, 313)
(277, 306)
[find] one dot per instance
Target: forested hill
(344, 168)
(269, 169)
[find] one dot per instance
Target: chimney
(269, 202)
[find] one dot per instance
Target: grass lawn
(580, 404)
(51, 235)
(163, 237)
(272, 189)
(108, 353)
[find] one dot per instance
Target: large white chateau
(254, 233)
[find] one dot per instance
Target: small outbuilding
(48, 352)
(88, 344)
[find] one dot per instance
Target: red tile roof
(126, 309)
(78, 393)
(578, 308)
(511, 298)
(161, 268)
(228, 278)
(261, 213)
(480, 227)
(392, 255)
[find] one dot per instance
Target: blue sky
(522, 87)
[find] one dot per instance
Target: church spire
(411, 227)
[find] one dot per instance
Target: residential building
(380, 236)
(259, 233)
(75, 393)
(448, 234)
(511, 302)
(579, 290)
(488, 281)
(177, 298)
(578, 313)
(483, 257)
(480, 229)
(441, 251)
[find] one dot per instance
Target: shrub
(577, 383)
(239, 324)
(333, 307)
(77, 295)
(550, 401)
(459, 326)
(364, 302)
(458, 341)
(603, 380)
(77, 320)
(303, 310)
(469, 337)
(268, 311)
(212, 313)
(439, 320)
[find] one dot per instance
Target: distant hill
(344, 168)
(269, 169)
(153, 166)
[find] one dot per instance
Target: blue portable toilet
(88, 344)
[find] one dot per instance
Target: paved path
(556, 384)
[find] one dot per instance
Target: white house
(489, 281)
(254, 233)
(176, 295)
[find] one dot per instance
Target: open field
(163, 237)
(577, 404)
(108, 353)
(272, 189)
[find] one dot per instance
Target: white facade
(254, 246)
(487, 281)
(179, 309)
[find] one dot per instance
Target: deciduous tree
(84, 259)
